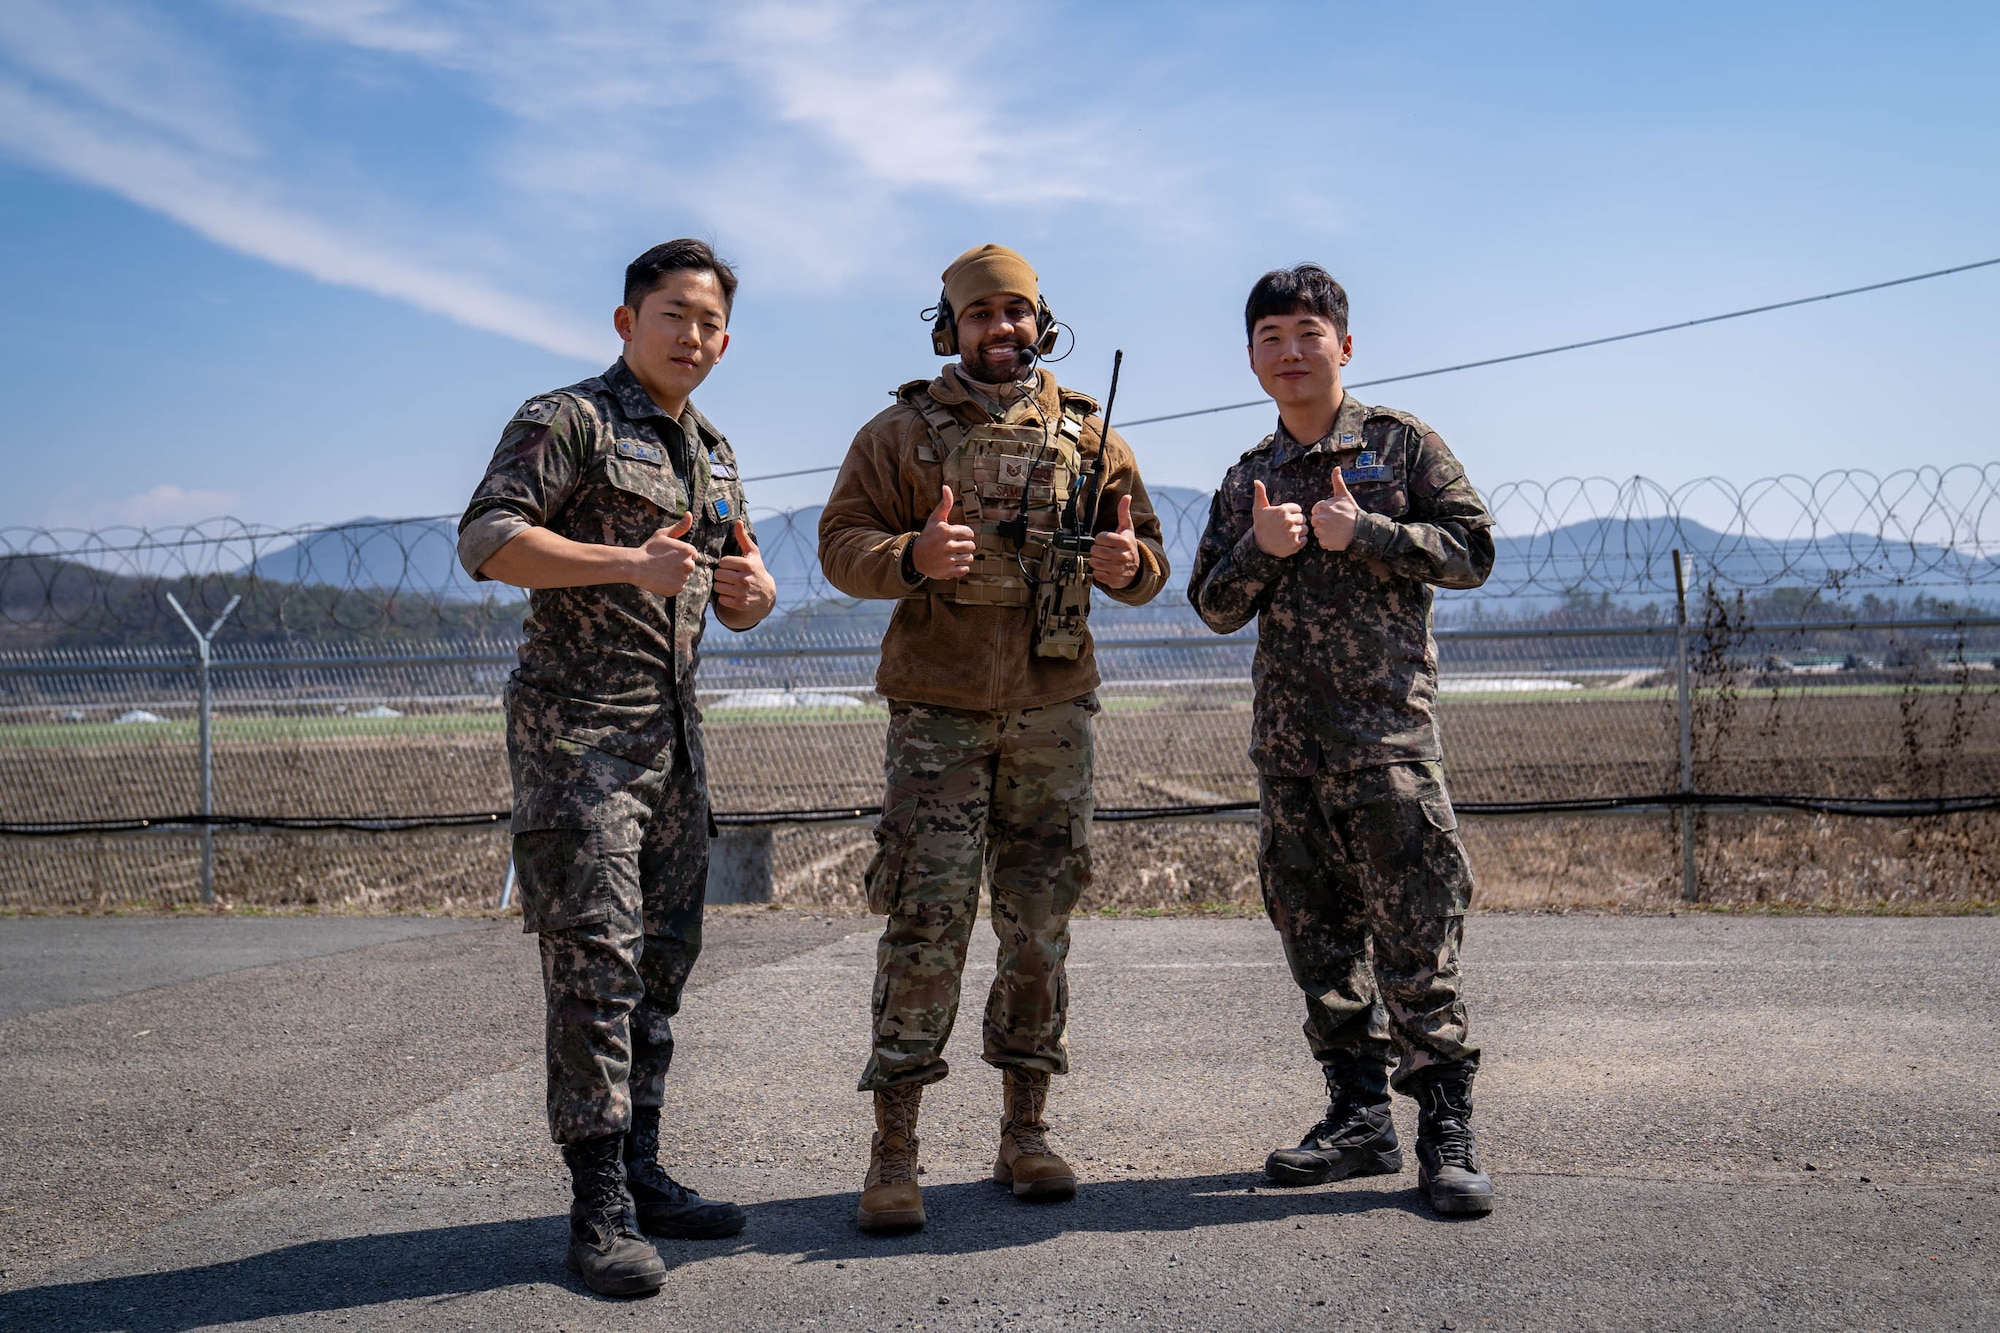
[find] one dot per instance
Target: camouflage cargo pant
(1006, 795)
(1370, 860)
(612, 862)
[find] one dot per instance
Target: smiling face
(996, 338)
(676, 336)
(1297, 358)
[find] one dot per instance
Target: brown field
(1832, 743)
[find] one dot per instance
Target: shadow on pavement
(447, 1263)
(437, 1266)
(979, 1215)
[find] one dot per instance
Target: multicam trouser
(1350, 859)
(1003, 794)
(612, 861)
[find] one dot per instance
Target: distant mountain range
(1628, 557)
(419, 555)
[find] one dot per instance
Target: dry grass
(1882, 743)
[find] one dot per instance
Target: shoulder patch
(539, 410)
(1414, 422)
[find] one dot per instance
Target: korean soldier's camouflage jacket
(599, 462)
(1346, 670)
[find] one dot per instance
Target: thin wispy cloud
(128, 64)
(807, 136)
(190, 188)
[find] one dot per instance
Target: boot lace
(642, 1160)
(605, 1202)
(1025, 1125)
(1343, 1120)
(896, 1141)
(647, 1172)
(1452, 1138)
(1032, 1140)
(895, 1162)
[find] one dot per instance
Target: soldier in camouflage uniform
(950, 501)
(1331, 533)
(618, 504)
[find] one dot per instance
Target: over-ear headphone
(944, 327)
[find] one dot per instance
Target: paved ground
(1696, 1122)
(55, 962)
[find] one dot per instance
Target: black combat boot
(667, 1207)
(1356, 1137)
(1448, 1171)
(605, 1247)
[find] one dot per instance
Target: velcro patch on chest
(645, 453)
(1368, 466)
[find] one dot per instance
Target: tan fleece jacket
(936, 651)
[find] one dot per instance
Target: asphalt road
(56, 962)
(1699, 1122)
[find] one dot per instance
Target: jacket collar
(637, 404)
(1345, 435)
(950, 388)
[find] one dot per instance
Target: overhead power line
(1591, 342)
(1525, 356)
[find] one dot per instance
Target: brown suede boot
(890, 1199)
(1025, 1160)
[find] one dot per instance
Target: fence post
(201, 644)
(1690, 888)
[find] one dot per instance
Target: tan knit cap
(988, 270)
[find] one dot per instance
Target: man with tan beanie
(955, 500)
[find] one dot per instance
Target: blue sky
(297, 260)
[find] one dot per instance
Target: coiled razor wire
(1878, 579)
(1848, 531)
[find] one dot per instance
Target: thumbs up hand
(1333, 518)
(665, 561)
(745, 592)
(943, 550)
(1280, 529)
(1114, 556)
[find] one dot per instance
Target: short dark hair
(649, 270)
(1305, 289)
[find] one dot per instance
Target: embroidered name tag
(1368, 466)
(645, 453)
(720, 470)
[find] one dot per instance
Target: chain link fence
(1804, 719)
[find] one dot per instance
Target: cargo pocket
(892, 842)
(577, 827)
(576, 877)
(1076, 873)
(1447, 873)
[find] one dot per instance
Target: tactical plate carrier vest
(1013, 485)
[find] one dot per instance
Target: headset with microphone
(944, 329)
